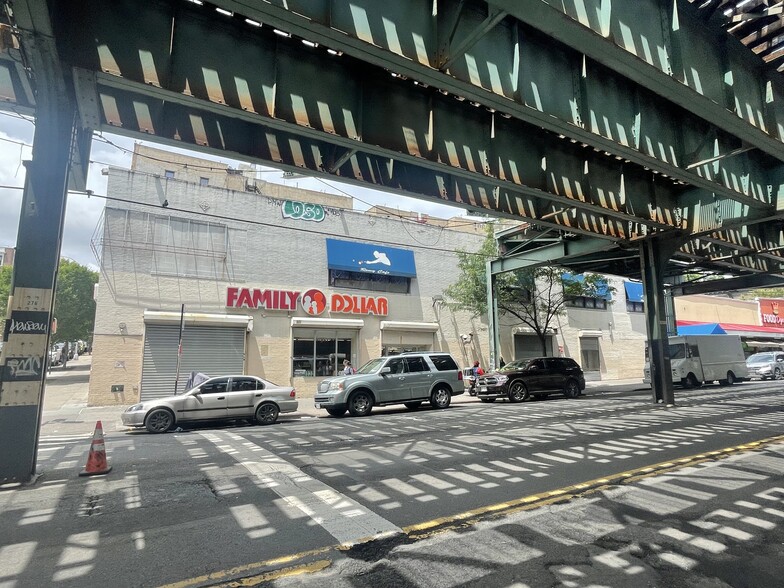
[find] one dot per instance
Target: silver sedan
(219, 398)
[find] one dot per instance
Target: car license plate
(318, 405)
(483, 389)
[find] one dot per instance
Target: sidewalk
(66, 411)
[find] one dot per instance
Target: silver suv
(409, 378)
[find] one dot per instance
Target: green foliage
(5, 290)
(762, 293)
(535, 297)
(74, 306)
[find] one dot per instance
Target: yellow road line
(426, 529)
(309, 568)
(222, 575)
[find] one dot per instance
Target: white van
(698, 359)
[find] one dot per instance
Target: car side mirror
(386, 370)
(197, 392)
(532, 368)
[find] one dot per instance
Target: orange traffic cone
(96, 460)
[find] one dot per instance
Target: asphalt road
(206, 505)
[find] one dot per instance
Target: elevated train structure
(643, 139)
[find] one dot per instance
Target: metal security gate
(213, 350)
(529, 346)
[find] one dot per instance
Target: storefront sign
(255, 298)
(314, 302)
(378, 306)
(772, 311)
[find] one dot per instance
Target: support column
(654, 254)
(26, 333)
(492, 317)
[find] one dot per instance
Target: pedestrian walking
(348, 369)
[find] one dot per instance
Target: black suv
(541, 375)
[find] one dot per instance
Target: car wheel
(360, 404)
(413, 405)
(692, 381)
(572, 389)
(731, 378)
(336, 412)
(518, 392)
(488, 400)
(267, 414)
(159, 420)
(777, 374)
(440, 398)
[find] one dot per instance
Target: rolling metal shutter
(214, 351)
(529, 346)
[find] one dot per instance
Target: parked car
(519, 380)
(216, 399)
(409, 378)
(768, 364)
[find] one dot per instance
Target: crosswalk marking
(345, 519)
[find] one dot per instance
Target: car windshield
(372, 366)
(514, 365)
(677, 351)
(760, 358)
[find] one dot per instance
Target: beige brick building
(251, 262)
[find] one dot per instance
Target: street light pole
(179, 348)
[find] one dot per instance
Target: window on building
(632, 306)
(374, 282)
(589, 352)
(319, 353)
(204, 181)
(585, 302)
(169, 174)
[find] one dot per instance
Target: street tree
(535, 296)
(5, 289)
(74, 305)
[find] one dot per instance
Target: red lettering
(231, 296)
(260, 298)
(245, 298)
(371, 306)
(383, 306)
(292, 303)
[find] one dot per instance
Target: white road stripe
(345, 519)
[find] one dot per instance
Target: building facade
(286, 283)
(268, 280)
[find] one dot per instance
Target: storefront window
(320, 353)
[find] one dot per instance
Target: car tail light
(460, 375)
(293, 393)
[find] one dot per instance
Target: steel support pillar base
(24, 356)
(654, 255)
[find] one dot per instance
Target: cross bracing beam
(676, 56)
(140, 110)
(557, 169)
(515, 70)
(563, 250)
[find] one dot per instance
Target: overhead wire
(261, 223)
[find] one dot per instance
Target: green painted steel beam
(614, 34)
(373, 36)
(728, 285)
(551, 254)
(181, 120)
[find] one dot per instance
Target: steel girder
(577, 178)
(672, 53)
(484, 110)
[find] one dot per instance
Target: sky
(83, 214)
